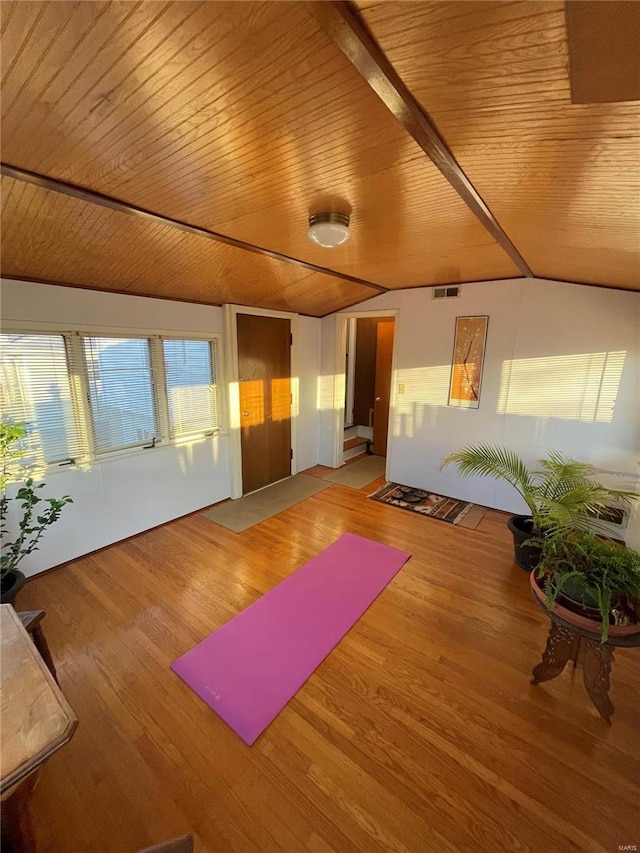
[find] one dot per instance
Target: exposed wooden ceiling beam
(93, 197)
(350, 35)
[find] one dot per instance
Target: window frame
(84, 369)
(43, 464)
(79, 382)
(214, 362)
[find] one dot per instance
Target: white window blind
(83, 396)
(191, 372)
(120, 391)
(36, 389)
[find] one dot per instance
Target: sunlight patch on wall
(186, 449)
(423, 386)
(330, 389)
(295, 397)
(234, 405)
(187, 444)
(185, 460)
(580, 387)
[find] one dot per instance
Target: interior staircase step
(354, 442)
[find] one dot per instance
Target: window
(85, 395)
(191, 385)
(36, 389)
(120, 392)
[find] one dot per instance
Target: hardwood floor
(420, 731)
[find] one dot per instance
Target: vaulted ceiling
(177, 149)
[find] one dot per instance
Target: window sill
(86, 465)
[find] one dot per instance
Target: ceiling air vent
(446, 292)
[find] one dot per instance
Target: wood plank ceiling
(563, 179)
(240, 119)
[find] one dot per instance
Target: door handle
(245, 414)
(378, 399)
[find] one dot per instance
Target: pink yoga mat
(248, 669)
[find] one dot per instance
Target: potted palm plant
(36, 513)
(595, 579)
(561, 493)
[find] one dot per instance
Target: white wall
(308, 368)
(561, 371)
(83, 309)
(127, 494)
(328, 390)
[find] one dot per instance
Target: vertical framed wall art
(468, 361)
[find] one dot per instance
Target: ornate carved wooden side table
(574, 640)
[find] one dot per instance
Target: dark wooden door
(384, 356)
(364, 380)
(264, 370)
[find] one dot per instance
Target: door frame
(350, 374)
(229, 314)
(341, 328)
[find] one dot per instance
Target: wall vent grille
(446, 292)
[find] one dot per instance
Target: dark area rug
(454, 511)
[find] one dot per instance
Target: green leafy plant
(606, 571)
(38, 513)
(560, 493)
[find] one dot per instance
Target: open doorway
(368, 354)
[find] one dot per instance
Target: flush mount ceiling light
(329, 229)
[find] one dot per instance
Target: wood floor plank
(420, 732)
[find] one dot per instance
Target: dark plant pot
(526, 556)
(12, 582)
